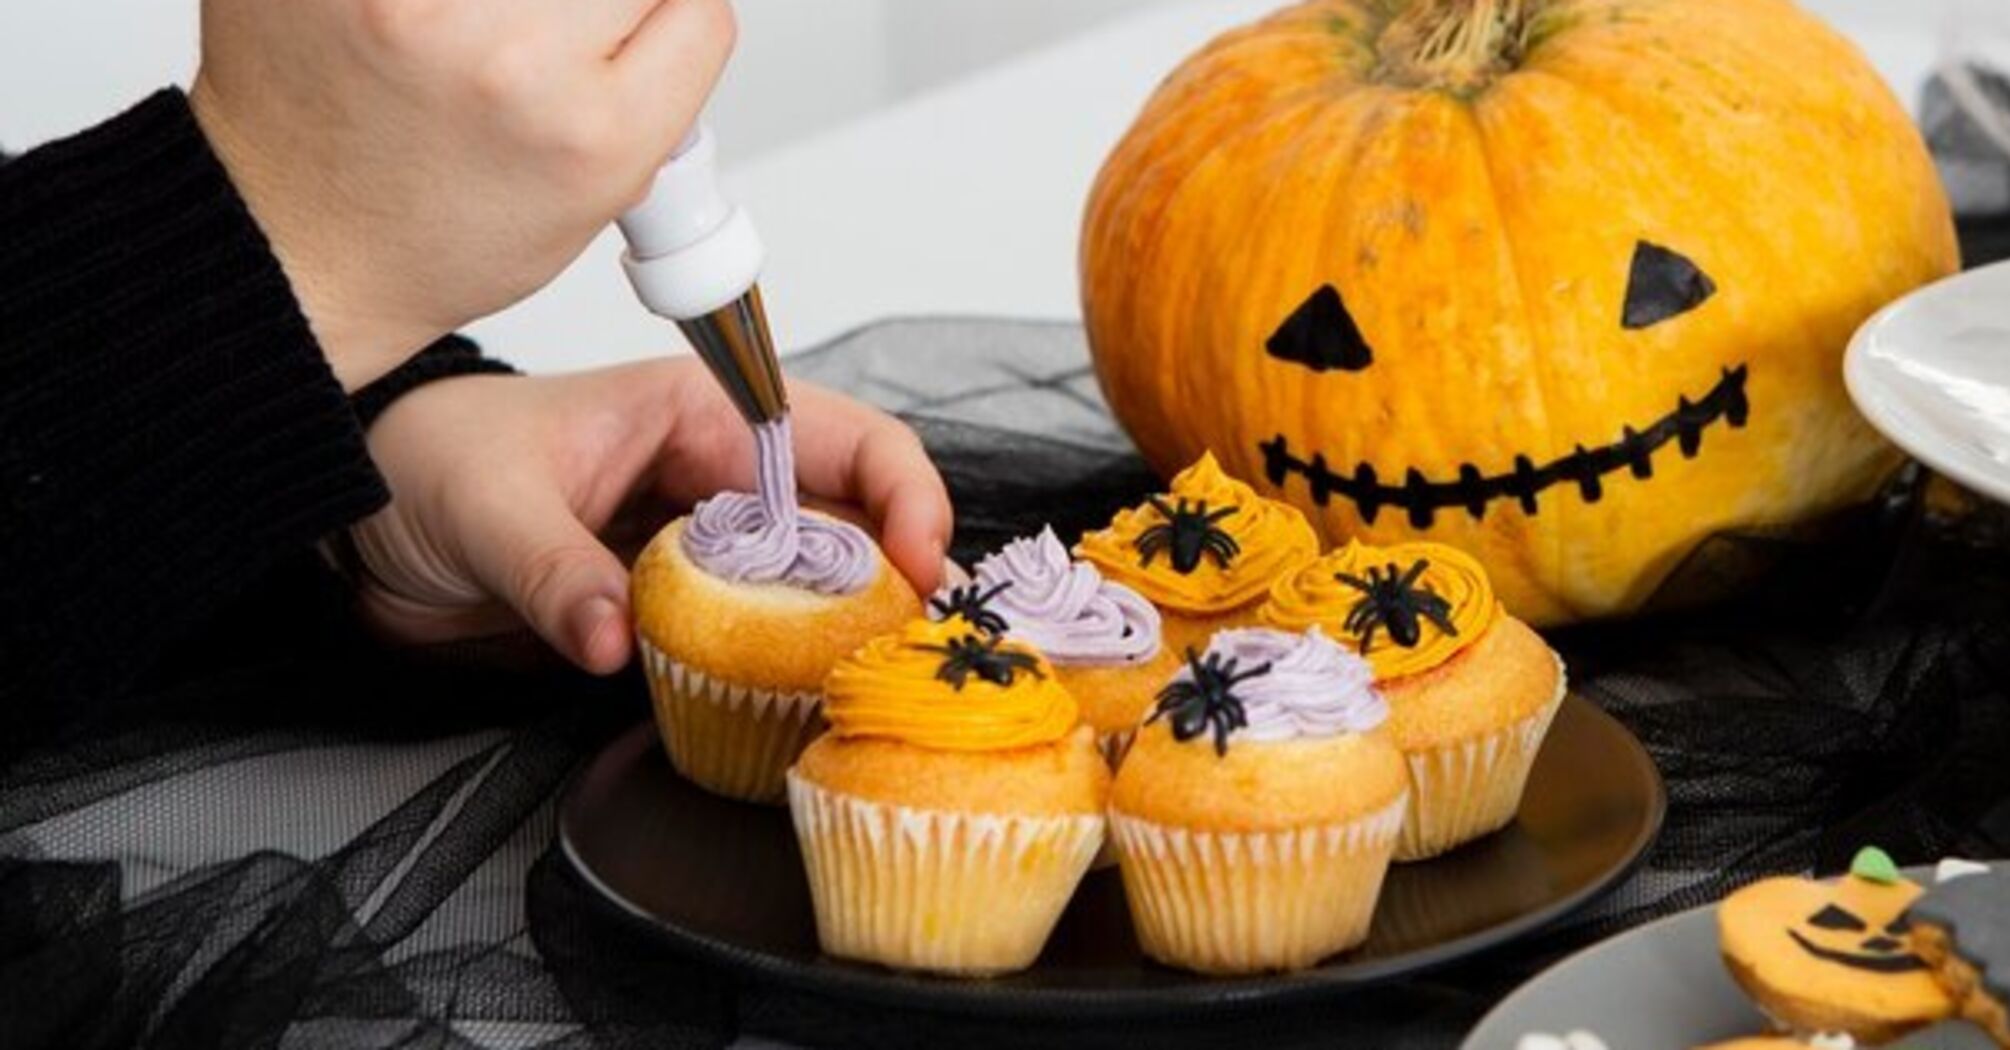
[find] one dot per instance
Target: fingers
(532, 552)
(601, 28)
(846, 454)
(669, 65)
(850, 453)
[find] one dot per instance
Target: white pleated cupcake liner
(1472, 788)
(730, 739)
(1224, 903)
(953, 893)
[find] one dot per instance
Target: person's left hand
(507, 492)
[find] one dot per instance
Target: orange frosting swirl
(900, 687)
(1270, 538)
(1315, 595)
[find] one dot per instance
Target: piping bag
(694, 257)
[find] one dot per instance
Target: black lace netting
(330, 845)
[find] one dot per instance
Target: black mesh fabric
(330, 845)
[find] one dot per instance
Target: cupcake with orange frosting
(953, 805)
(1205, 552)
(1471, 690)
(1257, 811)
(1102, 637)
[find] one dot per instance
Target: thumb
(561, 579)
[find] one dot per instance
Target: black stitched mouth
(1423, 497)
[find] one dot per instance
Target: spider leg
(1368, 634)
(1151, 542)
(1222, 513)
(1410, 578)
(1159, 505)
(1440, 614)
(1354, 581)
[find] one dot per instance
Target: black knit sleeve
(168, 425)
(453, 356)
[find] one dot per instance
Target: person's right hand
(418, 164)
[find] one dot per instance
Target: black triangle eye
(1321, 335)
(1834, 918)
(1664, 284)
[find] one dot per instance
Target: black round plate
(723, 882)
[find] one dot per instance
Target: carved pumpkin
(1564, 283)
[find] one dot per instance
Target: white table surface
(967, 199)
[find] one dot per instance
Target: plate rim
(1216, 995)
(1920, 873)
(1860, 381)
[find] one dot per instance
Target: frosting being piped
(764, 537)
(1065, 608)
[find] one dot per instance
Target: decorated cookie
(1833, 956)
(1962, 928)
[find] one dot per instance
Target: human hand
(418, 164)
(507, 491)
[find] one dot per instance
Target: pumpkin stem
(1456, 45)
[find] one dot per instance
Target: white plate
(1932, 371)
(1659, 987)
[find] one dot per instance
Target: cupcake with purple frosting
(1257, 812)
(742, 608)
(1102, 638)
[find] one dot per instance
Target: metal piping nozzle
(735, 344)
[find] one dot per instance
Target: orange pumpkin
(1564, 283)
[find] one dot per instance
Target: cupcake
(741, 611)
(1471, 690)
(956, 801)
(1257, 811)
(1101, 637)
(1204, 553)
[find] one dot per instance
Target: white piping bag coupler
(694, 257)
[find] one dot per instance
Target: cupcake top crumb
(1407, 608)
(1209, 545)
(948, 687)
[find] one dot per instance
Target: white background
(900, 156)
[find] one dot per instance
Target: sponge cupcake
(741, 610)
(1205, 552)
(1102, 638)
(956, 801)
(1471, 690)
(1256, 813)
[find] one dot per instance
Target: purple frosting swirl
(765, 537)
(1315, 687)
(1065, 608)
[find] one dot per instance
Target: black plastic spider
(971, 604)
(1188, 533)
(977, 655)
(1204, 701)
(1391, 599)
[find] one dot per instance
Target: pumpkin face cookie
(1962, 927)
(1833, 957)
